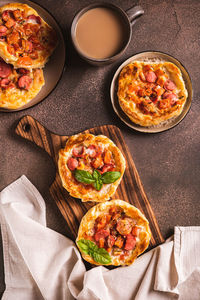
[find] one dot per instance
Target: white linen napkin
(42, 264)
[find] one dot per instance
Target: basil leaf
(96, 174)
(100, 255)
(98, 184)
(110, 177)
(83, 176)
(87, 246)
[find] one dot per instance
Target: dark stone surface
(168, 162)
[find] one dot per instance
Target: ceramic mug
(127, 17)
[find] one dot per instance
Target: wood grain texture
(72, 209)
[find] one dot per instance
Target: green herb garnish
(100, 255)
(96, 179)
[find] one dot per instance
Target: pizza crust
(79, 190)
(129, 101)
(48, 34)
(87, 223)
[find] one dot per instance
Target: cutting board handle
(34, 131)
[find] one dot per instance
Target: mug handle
(134, 13)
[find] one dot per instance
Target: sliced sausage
(24, 82)
(4, 83)
(34, 19)
(102, 233)
(92, 151)
(78, 151)
(173, 97)
(5, 69)
(72, 163)
(124, 226)
(169, 85)
(3, 30)
(130, 242)
(150, 76)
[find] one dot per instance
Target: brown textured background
(168, 162)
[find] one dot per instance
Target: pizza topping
(10, 23)
(96, 179)
(72, 163)
(173, 97)
(169, 85)
(116, 232)
(3, 30)
(100, 255)
(130, 242)
(35, 19)
(23, 71)
(92, 151)
(24, 82)
(78, 151)
(25, 34)
(124, 226)
(5, 69)
(6, 15)
(102, 233)
(150, 76)
(4, 83)
(17, 14)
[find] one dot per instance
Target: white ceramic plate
(54, 68)
(165, 125)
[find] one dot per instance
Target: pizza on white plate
(150, 93)
(26, 40)
(91, 167)
(18, 86)
(113, 233)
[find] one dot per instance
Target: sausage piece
(5, 69)
(169, 85)
(24, 82)
(72, 163)
(150, 76)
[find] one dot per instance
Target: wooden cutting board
(72, 209)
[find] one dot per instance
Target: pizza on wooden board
(26, 40)
(113, 233)
(18, 86)
(150, 93)
(91, 167)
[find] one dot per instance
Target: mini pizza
(91, 167)
(151, 93)
(113, 233)
(18, 86)
(26, 40)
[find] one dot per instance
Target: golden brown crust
(14, 97)
(46, 33)
(79, 190)
(87, 223)
(134, 105)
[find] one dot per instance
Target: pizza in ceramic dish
(91, 167)
(113, 233)
(151, 92)
(26, 40)
(18, 86)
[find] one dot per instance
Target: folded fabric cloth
(40, 263)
